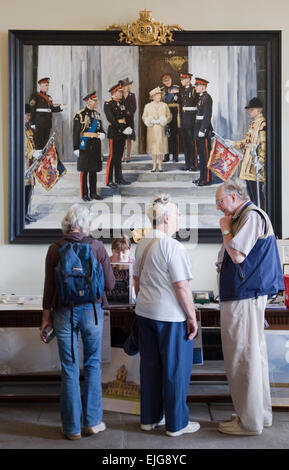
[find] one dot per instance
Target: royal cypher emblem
(145, 31)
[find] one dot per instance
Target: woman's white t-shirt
(166, 262)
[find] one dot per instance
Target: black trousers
(189, 147)
(92, 177)
(173, 143)
(203, 149)
(253, 193)
(28, 194)
(41, 136)
(116, 148)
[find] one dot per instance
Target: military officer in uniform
(87, 136)
(42, 108)
(254, 150)
(188, 99)
(129, 101)
(117, 132)
(203, 130)
(171, 97)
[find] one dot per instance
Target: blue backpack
(79, 277)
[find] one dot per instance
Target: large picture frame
(199, 52)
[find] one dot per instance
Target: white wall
(22, 267)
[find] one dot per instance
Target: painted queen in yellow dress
(156, 116)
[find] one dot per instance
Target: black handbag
(130, 345)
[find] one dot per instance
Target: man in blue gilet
(250, 272)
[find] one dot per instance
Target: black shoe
(86, 198)
(125, 182)
(176, 159)
(201, 183)
(160, 171)
(29, 218)
(193, 168)
(112, 185)
(153, 171)
(166, 158)
(96, 196)
(185, 168)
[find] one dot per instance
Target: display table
(121, 316)
(18, 316)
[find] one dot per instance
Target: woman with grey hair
(167, 322)
(76, 228)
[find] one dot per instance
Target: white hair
(160, 206)
(77, 218)
(234, 186)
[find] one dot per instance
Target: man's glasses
(219, 202)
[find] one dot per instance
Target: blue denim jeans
(73, 411)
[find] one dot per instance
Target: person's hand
(101, 135)
(46, 320)
(192, 328)
(44, 324)
(259, 166)
(127, 131)
(226, 222)
(37, 154)
(76, 153)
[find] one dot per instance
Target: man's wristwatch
(226, 232)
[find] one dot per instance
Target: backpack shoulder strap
(146, 250)
(60, 243)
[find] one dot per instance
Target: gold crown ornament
(145, 31)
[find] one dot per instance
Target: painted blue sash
(83, 140)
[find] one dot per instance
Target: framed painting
(56, 75)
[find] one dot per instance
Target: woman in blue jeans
(74, 412)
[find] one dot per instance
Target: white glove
(259, 166)
(37, 154)
(162, 121)
(76, 153)
(127, 131)
(101, 135)
(201, 134)
(228, 142)
(33, 126)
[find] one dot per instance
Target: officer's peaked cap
(254, 103)
(92, 96)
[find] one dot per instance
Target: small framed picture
(278, 360)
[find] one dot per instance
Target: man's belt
(199, 118)
(122, 121)
(90, 135)
(189, 108)
(43, 110)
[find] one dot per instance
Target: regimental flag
(47, 171)
(223, 161)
